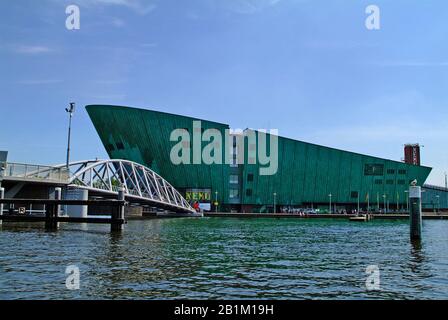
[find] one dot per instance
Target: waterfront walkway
(426, 215)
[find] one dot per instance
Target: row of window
(250, 178)
(378, 170)
(353, 194)
(390, 181)
(392, 171)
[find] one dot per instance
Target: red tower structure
(412, 154)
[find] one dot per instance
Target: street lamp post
(368, 202)
(330, 202)
(438, 203)
(396, 208)
(378, 201)
(216, 201)
(275, 195)
(70, 110)
(358, 204)
(407, 200)
(385, 209)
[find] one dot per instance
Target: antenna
(446, 181)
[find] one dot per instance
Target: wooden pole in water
(57, 208)
(52, 212)
(49, 209)
(118, 214)
(415, 214)
(2, 195)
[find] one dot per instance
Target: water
(225, 258)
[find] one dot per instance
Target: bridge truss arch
(140, 183)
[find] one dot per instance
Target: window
(390, 171)
(378, 181)
(250, 177)
(120, 146)
(373, 169)
(389, 181)
(248, 192)
(233, 178)
(402, 171)
(234, 162)
(354, 194)
(233, 194)
(401, 182)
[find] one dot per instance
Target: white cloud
(249, 6)
(23, 49)
(142, 7)
(38, 81)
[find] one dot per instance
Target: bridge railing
(37, 172)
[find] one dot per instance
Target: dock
(52, 209)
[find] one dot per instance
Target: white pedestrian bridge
(107, 177)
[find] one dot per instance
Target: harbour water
(225, 258)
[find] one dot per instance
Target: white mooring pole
(415, 213)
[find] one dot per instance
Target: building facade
(307, 175)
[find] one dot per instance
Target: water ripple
(224, 258)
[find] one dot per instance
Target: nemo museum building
(305, 175)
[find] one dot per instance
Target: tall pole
(70, 110)
(330, 202)
(378, 201)
(275, 195)
(385, 209)
(446, 187)
(358, 203)
(446, 181)
(368, 202)
(396, 209)
(407, 200)
(216, 201)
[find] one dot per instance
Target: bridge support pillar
(415, 214)
(118, 214)
(2, 196)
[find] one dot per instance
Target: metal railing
(35, 172)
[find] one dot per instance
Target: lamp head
(71, 108)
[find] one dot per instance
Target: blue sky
(307, 67)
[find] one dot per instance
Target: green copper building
(307, 175)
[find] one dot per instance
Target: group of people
(302, 211)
